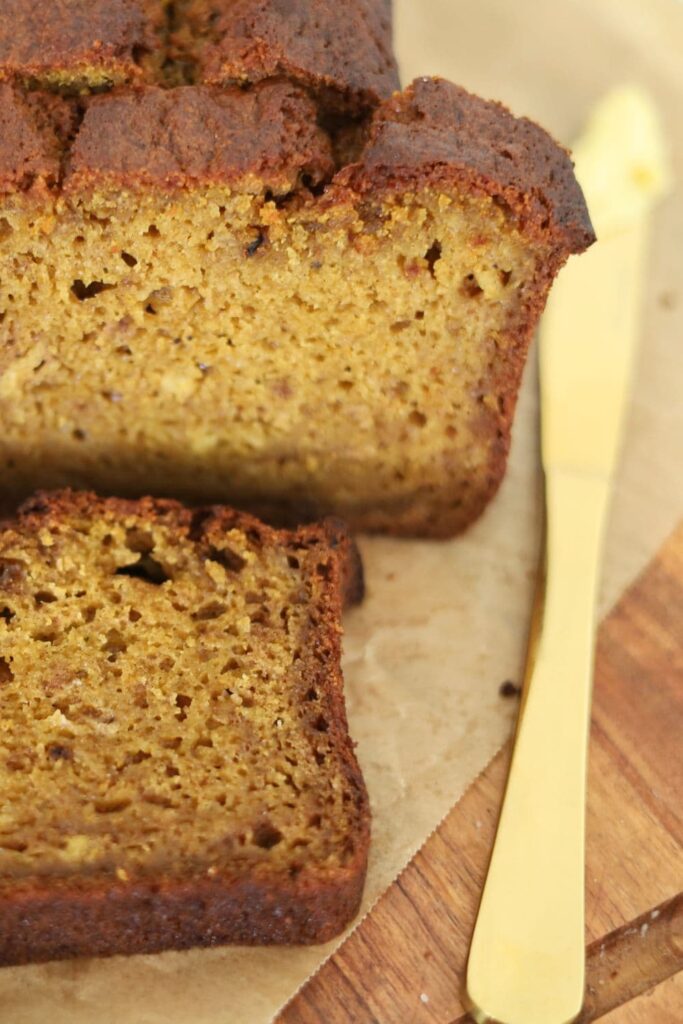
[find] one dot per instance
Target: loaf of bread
(176, 767)
(236, 265)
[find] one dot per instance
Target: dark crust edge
(428, 515)
(199, 136)
(119, 919)
(107, 41)
(436, 134)
(345, 59)
(340, 539)
(48, 919)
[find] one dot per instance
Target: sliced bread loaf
(251, 272)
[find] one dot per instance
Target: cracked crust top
(342, 52)
(266, 137)
(199, 135)
(300, 65)
(73, 39)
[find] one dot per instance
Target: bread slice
(250, 293)
(176, 766)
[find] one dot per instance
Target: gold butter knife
(526, 962)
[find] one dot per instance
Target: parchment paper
(445, 624)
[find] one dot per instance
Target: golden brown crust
(97, 914)
(342, 53)
(263, 138)
(104, 36)
(199, 135)
(433, 134)
(437, 134)
(149, 917)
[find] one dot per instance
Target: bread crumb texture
(172, 703)
(225, 310)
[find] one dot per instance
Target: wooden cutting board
(405, 963)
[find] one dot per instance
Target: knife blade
(527, 956)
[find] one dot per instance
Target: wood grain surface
(405, 963)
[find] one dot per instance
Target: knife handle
(526, 963)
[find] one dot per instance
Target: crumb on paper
(509, 689)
